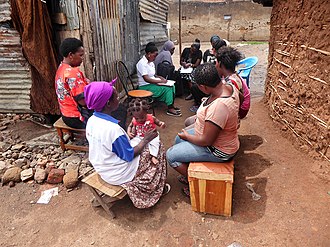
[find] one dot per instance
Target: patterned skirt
(147, 186)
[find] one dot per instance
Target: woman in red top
(70, 83)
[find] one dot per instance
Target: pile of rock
(21, 161)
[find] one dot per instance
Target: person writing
(112, 155)
(148, 80)
(191, 57)
(69, 84)
(214, 137)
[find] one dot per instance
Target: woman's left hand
(183, 135)
(150, 135)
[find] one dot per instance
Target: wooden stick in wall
(283, 83)
(318, 79)
(283, 88)
(288, 125)
(317, 50)
(283, 73)
(284, 53)
(323, 123)
(286, 65)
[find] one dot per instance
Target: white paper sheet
(169, 83)
(46, 195)
(186, 71)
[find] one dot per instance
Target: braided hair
(229, 57)
(137, 105)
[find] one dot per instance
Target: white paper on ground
(46, 195)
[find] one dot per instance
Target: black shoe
(174, 114)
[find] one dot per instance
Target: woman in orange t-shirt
(70, 83)
(214, 137)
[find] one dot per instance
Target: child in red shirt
(142, 122)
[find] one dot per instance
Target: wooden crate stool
(99, 188)
(210, 187)
(63, 129)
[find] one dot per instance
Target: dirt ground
(293, 209)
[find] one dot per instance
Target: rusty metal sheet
(69, 8)
(129, 29)
(106, 36)
(15, 75)
(152, 32)
(154, 11)
(4, 10)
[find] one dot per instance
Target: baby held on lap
(141, 123)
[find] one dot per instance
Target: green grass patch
(255, 42)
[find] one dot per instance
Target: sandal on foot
(167, 189)
(175, 113)
(182, 179)
(186, 191)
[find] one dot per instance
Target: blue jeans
(185, 152)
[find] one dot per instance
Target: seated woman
(190, 58)
(148, 80)
(112, 155)
(227, 59)
(70, 83)
(165, 54)
(214, 137)
(209, 57)
(216, 43)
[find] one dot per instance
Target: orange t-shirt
(69, 82)
(223, 112)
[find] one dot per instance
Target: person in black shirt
(190, 58)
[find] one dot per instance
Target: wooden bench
(210, 187)
(100, 188)
(63, 129)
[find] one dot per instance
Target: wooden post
(180, 17)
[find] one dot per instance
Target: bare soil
(293, 209)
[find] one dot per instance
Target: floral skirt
(147, 186)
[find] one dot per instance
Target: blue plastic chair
(245, 71)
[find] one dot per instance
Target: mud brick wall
(298, 83)
(202, 19)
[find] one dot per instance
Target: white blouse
(144, 67)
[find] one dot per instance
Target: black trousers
(197, 94)
(74, 122)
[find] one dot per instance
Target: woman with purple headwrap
(112, 155)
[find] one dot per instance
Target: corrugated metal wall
(153, 23)
(4, 10)
(152, 32)
(154, 11)
(105, 21)
(129, 26)
(15, 76)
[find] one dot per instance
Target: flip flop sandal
(186, 191)
(167, 189)
(182, 179)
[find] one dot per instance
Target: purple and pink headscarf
(98, 93)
